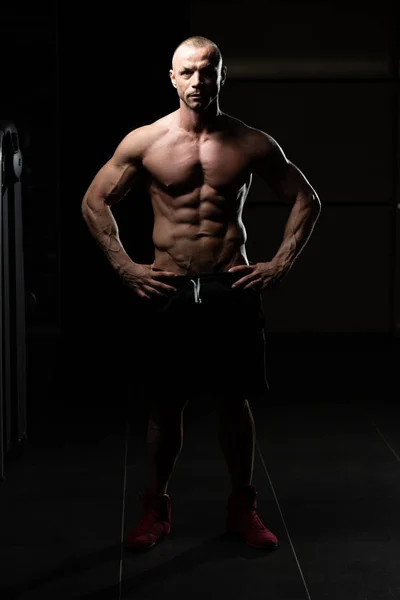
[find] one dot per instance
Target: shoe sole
(236, 536)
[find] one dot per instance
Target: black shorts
(206, 337)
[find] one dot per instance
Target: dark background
(322, 78)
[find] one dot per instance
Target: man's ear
(172, 77)
(223, 74)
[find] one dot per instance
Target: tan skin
(198, 164)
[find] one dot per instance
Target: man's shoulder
(161, 125)
(248, 133)
(244, 128)
(143, 137)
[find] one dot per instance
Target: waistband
(219, 275)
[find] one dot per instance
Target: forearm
(299, 226)
(104, 229)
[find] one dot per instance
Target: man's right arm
(109, 186)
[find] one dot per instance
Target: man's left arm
(289, 184)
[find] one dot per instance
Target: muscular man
(204, 297)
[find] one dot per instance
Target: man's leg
(164, 444)
(236, 435)
(164, 439)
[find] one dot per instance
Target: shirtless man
(202, 293)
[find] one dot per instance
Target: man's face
(197, 76)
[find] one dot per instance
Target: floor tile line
(393, 451)
(123, 512)
(379, 432)
(283, 520)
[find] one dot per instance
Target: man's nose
(196, 79)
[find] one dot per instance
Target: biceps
(288, 182)
(294, 182)
(113, 181)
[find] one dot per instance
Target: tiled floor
(327, 471)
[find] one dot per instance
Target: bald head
(197, 73)
(194, 43)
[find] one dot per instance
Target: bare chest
(182, 165)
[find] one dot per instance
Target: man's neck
(198, 122)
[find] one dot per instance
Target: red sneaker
(155, 523)
(244, 520)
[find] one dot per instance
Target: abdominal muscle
(186, 244)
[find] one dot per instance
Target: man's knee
(231, 405)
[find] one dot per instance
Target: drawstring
(196, 286)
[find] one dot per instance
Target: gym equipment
(12, 297)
